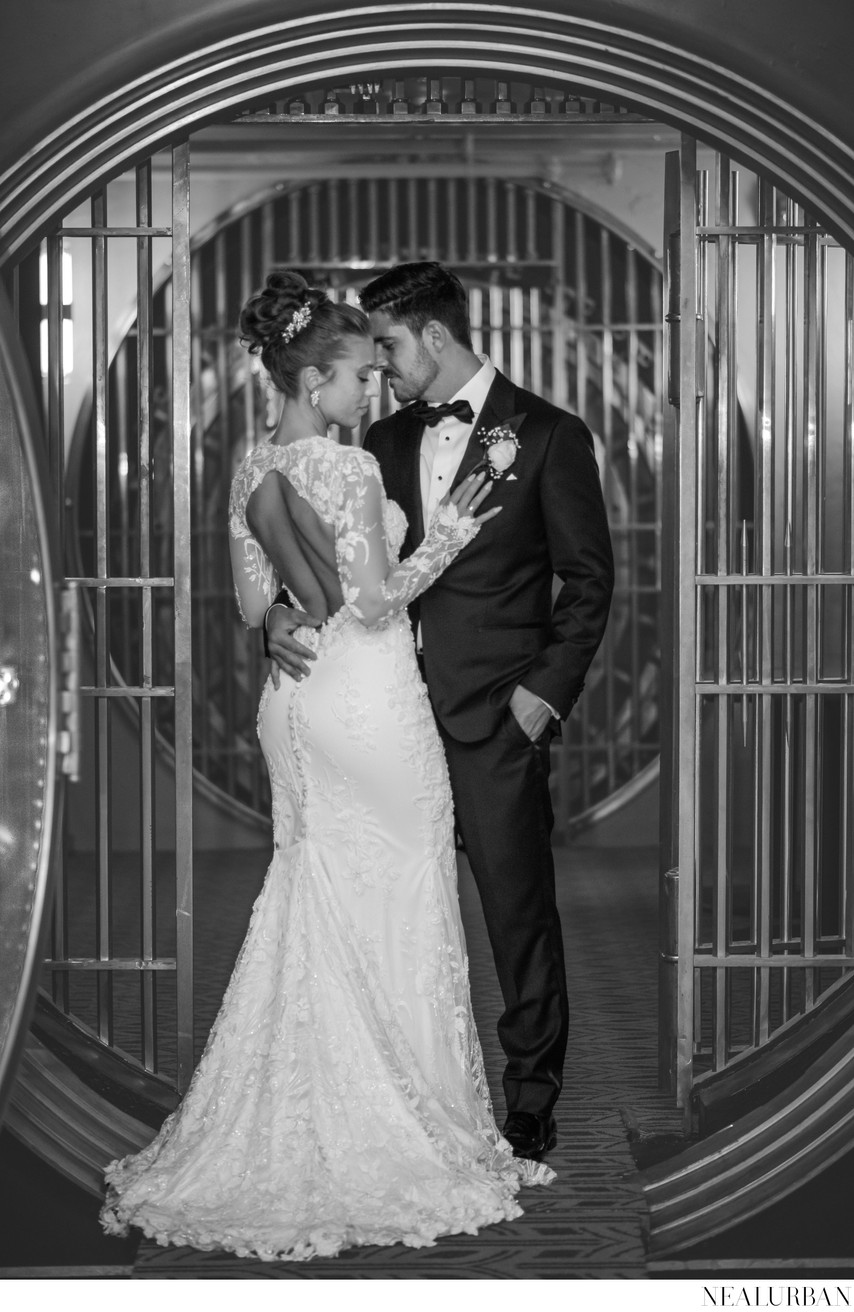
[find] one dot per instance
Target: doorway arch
(654, 76)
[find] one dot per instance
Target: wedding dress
(341, 1098)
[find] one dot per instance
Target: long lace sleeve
(255, 580)
(372, 586)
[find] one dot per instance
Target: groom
(503, 662)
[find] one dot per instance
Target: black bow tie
(431, 414)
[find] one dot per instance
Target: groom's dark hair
(413, 294)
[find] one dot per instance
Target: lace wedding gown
(341, 1097)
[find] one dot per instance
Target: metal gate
(565, 304)
(758, 758)
(122, 963)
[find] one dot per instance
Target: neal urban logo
(744, 1296)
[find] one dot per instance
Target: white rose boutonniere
(500, 448)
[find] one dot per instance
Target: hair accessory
(299, 319)
(315, 397)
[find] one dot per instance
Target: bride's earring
(315, 397)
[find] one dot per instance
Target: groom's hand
(531, 714)
(285, 652)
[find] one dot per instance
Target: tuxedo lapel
(407, 451)
(498, 406)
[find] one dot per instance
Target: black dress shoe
(530, 1135)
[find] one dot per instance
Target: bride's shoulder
(264, 456)
(354, 459)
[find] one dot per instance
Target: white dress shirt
(443, 445)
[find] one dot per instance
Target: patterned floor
(588, 1224)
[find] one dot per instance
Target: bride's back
(298, 542)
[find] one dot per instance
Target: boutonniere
(501, 447)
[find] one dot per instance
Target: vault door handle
(69, 736)
(9, 685)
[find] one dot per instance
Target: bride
(341, 1098)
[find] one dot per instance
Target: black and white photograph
(427, 648)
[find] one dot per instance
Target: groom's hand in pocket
(532, 715)
(285, 652)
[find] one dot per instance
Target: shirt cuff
(533, 694)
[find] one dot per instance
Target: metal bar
(580, 255)
(393, 212)
(294, 256)
(357, 247)
(432, 218)
(686, 638)
(490, 200)
(206, 569)
(267, 253)
(314, 226)
(373, 243)
(332, 230)
(476, 317)
(145, 405)
(115, 582)
(724, 326)
(248, 437)
(125, 690)
(56, 452)
(775, 689)
(100, 385)
(764, 556)
(511, 254)
(705, 482)
(669, 1002)
(451, 190)
(658, 421)
(785, 581)
(516, 298)
(181, 335)
(145, 965)
(811, 373)
(748, 960)
(536, 334)
(412, 218)
(214, 561)
(760, 232)
(531, 252)
(120, 487)
(102, 230)
(496, 325)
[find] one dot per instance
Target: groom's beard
(412, 385)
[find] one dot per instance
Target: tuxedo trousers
(504, 816)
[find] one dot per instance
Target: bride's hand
(470, 494)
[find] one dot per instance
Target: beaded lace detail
(343, 486)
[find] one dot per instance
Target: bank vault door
(758, 737)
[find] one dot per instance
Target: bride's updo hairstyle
(292, 325)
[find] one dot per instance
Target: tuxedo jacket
(491, 620)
